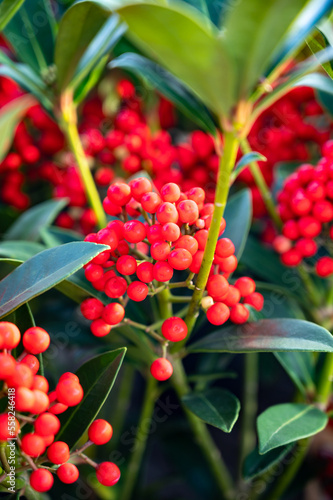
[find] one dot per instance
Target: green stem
(249, 406)
(141, 440)
(69, 126)
(3, 458)
(125, 389)
(203, 437)
(261, 184)
(324, 388)
(227, 162)
(310, 287)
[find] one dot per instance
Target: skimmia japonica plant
(166, 205)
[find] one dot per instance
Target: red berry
(108, 237)
(58, 452)
(167, 212)
(189, 243)
(162, 271)
(100, 328)
(108, 473)
(119, 193)
(9, 427)
(93, 272)
(170, 231)
(36, 340)
(174, 329)
(41, 480)
(33, 445)
(255, 300)
(150, 202)
(24, 399)
(40, 383)
(218, 313)
(188, 211)
(229, 264)
(233, 296)
(47, 424)
(307, 247)
(170, 192)
(68, 473)
(224, 248)
(92, 308)
(239, 314)
(32, 362)
(41, 402)
(126, 265)
(7, 366)
(245, 286)
(180, 259)
(324, 267)
(291, 258)
(161, 369)
(115, 287)
(69, 392)
(22, 376)
(160, 250)
(100, 432)
(323, 211)
(113, 313)
(134, 231)
(217, 287)
(139, 187)
(10, 335)
(144, 272)
(137, 291)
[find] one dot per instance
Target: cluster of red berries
(29, 401)
(306, 209)
(171, 236)
(290, 130)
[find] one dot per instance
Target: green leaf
(31, 35)
(255, 464)
(317, 81)
(10, 116)
(101, 45)
(316, 45)
(267, 335)
(253, 32)
(211, 8)
(8, 9)
(77, 29)
(53, 236)
(300, 29)
(217, 407)
(26, 78)
(90, 81)
(245, 161)
(20, 250)
(286, 423)
(299, 366)
(167, 85)
(238, 216)
(192, 50)
(97, 377)
(43, 271)
(30, 223)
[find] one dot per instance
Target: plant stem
(227, 162)
(249, 406)
(140, 440)
(203, 437)
(69, 126)
(325, 381)
(3, 458)
(261, 185)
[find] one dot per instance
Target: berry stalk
(69, 127)
(227, 162)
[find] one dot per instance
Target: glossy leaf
(167, 85)
(8, 9)
(10, 116)
(31, 35)
(255, 464)
(217, 407)
(238, 216)
(53, 236)
(102, 44)
(301, 27)
(90, 81)
(97, 377)
(317, 43)
(286, 423)
(44, 271)
(267, 335)
(246, 160)
(299, 366)
(252, 35)
(192, 50)
(77, 29)
(29, 224)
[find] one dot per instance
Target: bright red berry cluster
(306, 209)
(30, 401)
(145, 254)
